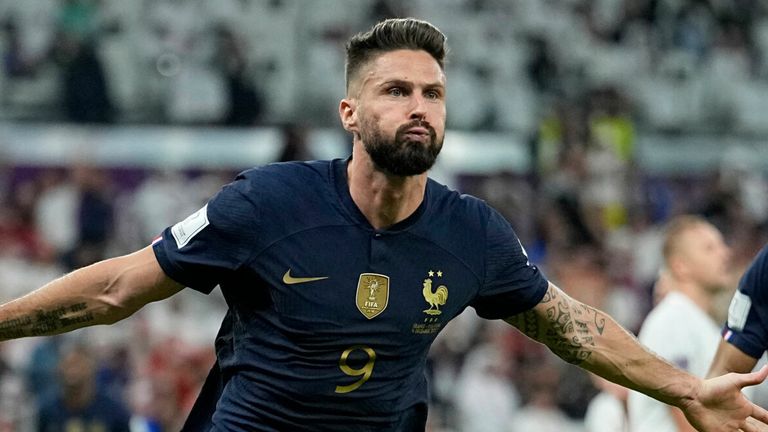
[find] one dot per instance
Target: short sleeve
(511, 284)
(201, 250)
(747, 313)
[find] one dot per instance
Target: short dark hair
(390, 35)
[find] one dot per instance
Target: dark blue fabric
(753, 338)
(285, 346)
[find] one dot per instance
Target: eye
(396, 91)
(432, 94)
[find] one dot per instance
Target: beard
(400, 156)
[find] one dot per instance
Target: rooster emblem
(435, 299)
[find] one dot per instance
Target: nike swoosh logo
(290, 280)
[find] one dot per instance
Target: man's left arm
(591, 339)
(728, 358)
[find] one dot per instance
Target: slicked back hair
(390, 35)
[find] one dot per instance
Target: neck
(384, 199)
(699, 295)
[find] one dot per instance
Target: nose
(418, 108)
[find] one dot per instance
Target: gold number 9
(365, 371)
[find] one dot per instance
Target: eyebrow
(410, 84)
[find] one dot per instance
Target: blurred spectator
(94, 218)
(158, 202)
(29, 28)
(540, 411)
(18, 235)
(184, 48)
(486, 397)
(168, 385)
(245, 101)
(694, 29)
(78, 404)
(609, 161)
(16, 408)
(295, 144)
(607, 411)
(56, 210)
(40, 372)
(543, 70)
(15, 61)
(74, 214)
(85, 96)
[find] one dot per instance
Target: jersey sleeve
(748, 311)
(201, 250)
(511, 284)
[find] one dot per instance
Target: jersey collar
(341, 183)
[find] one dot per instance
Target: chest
(360, 283)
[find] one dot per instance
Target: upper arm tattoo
(566, 327)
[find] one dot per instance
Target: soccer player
(340, 274)
(745, 335)
(680, 328)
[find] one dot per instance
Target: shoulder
(282, 175)
(676, 321)
(281, 182)
(663, 319)
(466, 223)
(463, 208)
(287, 170)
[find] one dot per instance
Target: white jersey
(679, 331)
(605, 413)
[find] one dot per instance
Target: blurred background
(588, 123)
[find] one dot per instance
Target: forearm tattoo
(47, 322)
(569, 328)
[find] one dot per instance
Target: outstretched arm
(589, 338)
(102, 293)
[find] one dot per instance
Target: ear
(678, 267)
(348, 115)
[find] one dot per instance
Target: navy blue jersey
(748, 311)
(330, 320)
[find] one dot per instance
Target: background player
(745, 338)
(681, 328)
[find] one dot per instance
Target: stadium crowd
(580, 78)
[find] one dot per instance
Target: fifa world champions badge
(372, 294)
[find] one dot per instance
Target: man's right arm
(102, 293)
